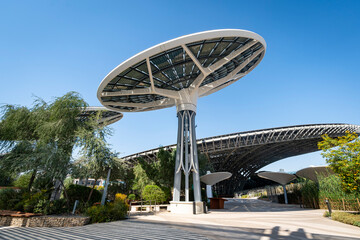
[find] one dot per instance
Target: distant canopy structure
(244, 153)
(107, 116)
(177, 73)
(312, 173)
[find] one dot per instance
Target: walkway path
(256, 219)
(103, 231)
(242, 219)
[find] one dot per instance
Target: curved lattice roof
(244, 153)
(197, 64)
(107, 116)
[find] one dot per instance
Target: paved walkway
(242, 219)
(256, 219)
(115, 230)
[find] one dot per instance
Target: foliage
(132, 197)
(107, 213)
(310, 194)
(9, 198)
(29, 201)
(141, 179)
(120, 197)
(343, 155)
(6, 178)
(161, 171)
(41, 138)
(115, 188)
(23, 181)
(153, 192)
(125, 172)
(47, 207)
(345, 217)
(81, 193)
(330, 187)
(68, 181)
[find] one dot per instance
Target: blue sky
(310, 72)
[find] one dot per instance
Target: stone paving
(241, 219)
(126, 229)
(256, 219)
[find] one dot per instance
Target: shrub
(153, 192)
(81, 193)
(30, 201)
(310, 194)
(132, 197)
(9, 198)
(120, 197)
(47, 207)
(107, 213)
(348, 218)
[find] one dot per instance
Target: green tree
(141, 179)
(343, 155)
(160, 171)
(154, 193)
(41, 138)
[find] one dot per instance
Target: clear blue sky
(310, 72)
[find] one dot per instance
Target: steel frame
(243, 153)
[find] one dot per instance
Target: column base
(182, 207)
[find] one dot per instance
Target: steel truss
(244, 153)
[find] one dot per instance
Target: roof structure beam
(158, 103)
(231, 56)
(208, 88)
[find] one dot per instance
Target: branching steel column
(186, 150)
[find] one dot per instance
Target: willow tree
(97, 157)
(41, 139)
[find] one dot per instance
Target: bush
(120, 197)
(348, 218)
(107, 213)
(81, 193)
(47, 207)
(30, 201)
(310, 194)
(153, 192)
(132, 197)
(9, 198)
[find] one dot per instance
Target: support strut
(186, 156)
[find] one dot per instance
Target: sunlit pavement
(242, 219)
(115, 230)
(256, 219)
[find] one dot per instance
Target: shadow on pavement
(221, 232)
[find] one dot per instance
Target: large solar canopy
(167, 73)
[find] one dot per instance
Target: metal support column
(186, 148)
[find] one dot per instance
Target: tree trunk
(32, 179)
(86, 181)
(66, 196)
(92, 189)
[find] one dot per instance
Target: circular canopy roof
(279, 177)
(213, 178)
(313, 172)
(107, 117)
(197, 64)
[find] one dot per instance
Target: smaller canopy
(279, 177)
(213, 178)
(312, 172)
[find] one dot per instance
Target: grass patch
(345, 217)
